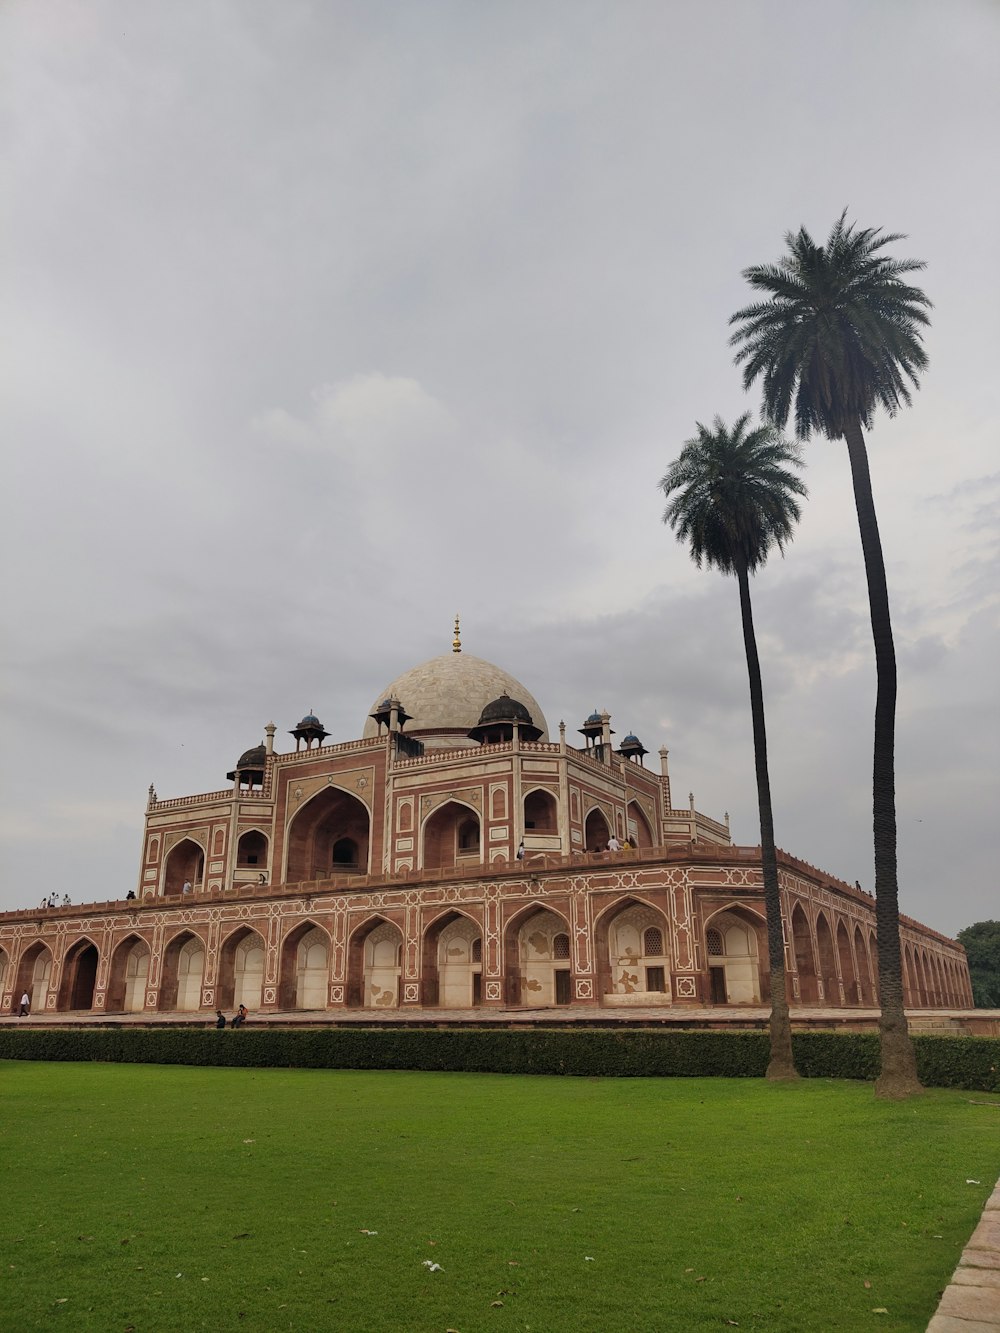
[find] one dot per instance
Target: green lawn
(154, 1198)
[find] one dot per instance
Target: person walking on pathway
(25, 1005)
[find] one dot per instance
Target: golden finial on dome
(456, 643)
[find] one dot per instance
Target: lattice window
(652, 942)
(477, 951)
(714, 941)
(560, 946)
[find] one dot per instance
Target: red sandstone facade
(383, 873)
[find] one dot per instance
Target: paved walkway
(971, 1301)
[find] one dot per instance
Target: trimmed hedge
(950, 1062)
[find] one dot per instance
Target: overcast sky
(324, 321)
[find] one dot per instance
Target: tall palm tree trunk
(781, 1064)
(899, 1067)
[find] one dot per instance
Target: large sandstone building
(454, 856)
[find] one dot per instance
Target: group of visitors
(237, 1020)
(53, 900)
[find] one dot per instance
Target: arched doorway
(34, 975)
(458, 957)
(305, 968)
(847, 976)
(136, 976)
(596, 832)
(4, 969)
(251, 851)
(183, 973)
(128, 977)
(639, 830)
(639, 968)
(865, 995)
(241, 970)
(543, 970)
(40, 981)
(540, 812)
(451, 836)
(805, 964)
(185, 864)
(827, 966)
(79, 977)
(381, 956)
(329, 836)
(733, 966)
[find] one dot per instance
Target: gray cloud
(328, 321)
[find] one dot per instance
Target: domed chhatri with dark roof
(498, 719)
(250, 766)
(445, 698)
(451, 857)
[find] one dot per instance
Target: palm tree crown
(735, 494)
(839, 334)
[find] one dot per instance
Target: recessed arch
(827, 963)
(596, 830)
(241, 969)
(184, 864)
(451, 835)
(182, 973)
(864, 967)
(330, 819)
(374, 964)
(848, 976)
(79, 976)
(639, 828)
(253, 850)
(541, 811)
(632, 941)
(128, 976)
(805, 963)
(733, 950)
(304, 969)
(537, 951)
(453, 961)
(34, 976)
(4, 969)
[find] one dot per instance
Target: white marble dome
(446, 696)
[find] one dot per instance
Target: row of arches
(631, 950)
(931, 981)
(330, 835)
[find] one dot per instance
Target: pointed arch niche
(185, 864)
(34, 975)
(597, 832)
(732, 948)
(451, 836)
(129, 976)
(79, 976)
(635, 942)
(328, 836)
(183, 971)
(305, 968)
(539, 969)
(453, 962)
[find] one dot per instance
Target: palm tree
(734, 501)
(838, 336)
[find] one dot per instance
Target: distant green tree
(732, 498)
(839, 335)
(982, 947)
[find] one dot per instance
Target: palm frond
(733, 494)
(840, 332)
